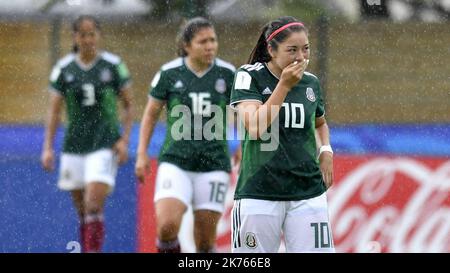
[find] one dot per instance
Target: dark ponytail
(260, 52)
(188, 32)
(77, 23)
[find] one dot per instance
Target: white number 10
(292, 108)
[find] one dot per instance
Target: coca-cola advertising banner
(377, 204)
(391, 204)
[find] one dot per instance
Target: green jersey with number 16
(196, 114)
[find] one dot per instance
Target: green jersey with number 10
(288, 168)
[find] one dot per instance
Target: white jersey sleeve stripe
(114, 59)
(173, 64)
(225, 64)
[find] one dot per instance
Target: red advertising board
(377, 204)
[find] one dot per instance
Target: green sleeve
(158, 86)
(244, 88)
(320, 110)
(123, 75)
(57, 80)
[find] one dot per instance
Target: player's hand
(326, 167)
(293, 73)
(142, 167)
(121, 150)
(47, 159)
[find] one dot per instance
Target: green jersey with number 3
(196, 114)
(288, 168)
(90, 93)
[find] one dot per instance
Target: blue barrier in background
(398, 139)
(36, 217)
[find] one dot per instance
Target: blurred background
(384, 68)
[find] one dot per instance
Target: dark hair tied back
(260, 52)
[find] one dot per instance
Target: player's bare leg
(169, 213)
(205, 229)
(78, 202)
(77, 198)
(94, 200)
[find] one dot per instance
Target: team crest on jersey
(69, 77)
(221, 86)
(105, 75)
(250, 240)
(310, 94)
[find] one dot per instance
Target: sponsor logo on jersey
(250, 240)
(221, 86)
(105, 75)
(179, 84)
(69, 77)
(310, 94)
(267, 91)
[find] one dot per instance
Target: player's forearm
(50, 132)
(127, 122)
(265, 114)
(323, 133)
(148, 123)
(128, 111)
(53, 121)
(145, 134)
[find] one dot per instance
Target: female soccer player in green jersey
(89, 81)
(281, 186)
(194, 163)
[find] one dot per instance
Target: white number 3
(88, 94)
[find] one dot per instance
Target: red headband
(283, 28)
